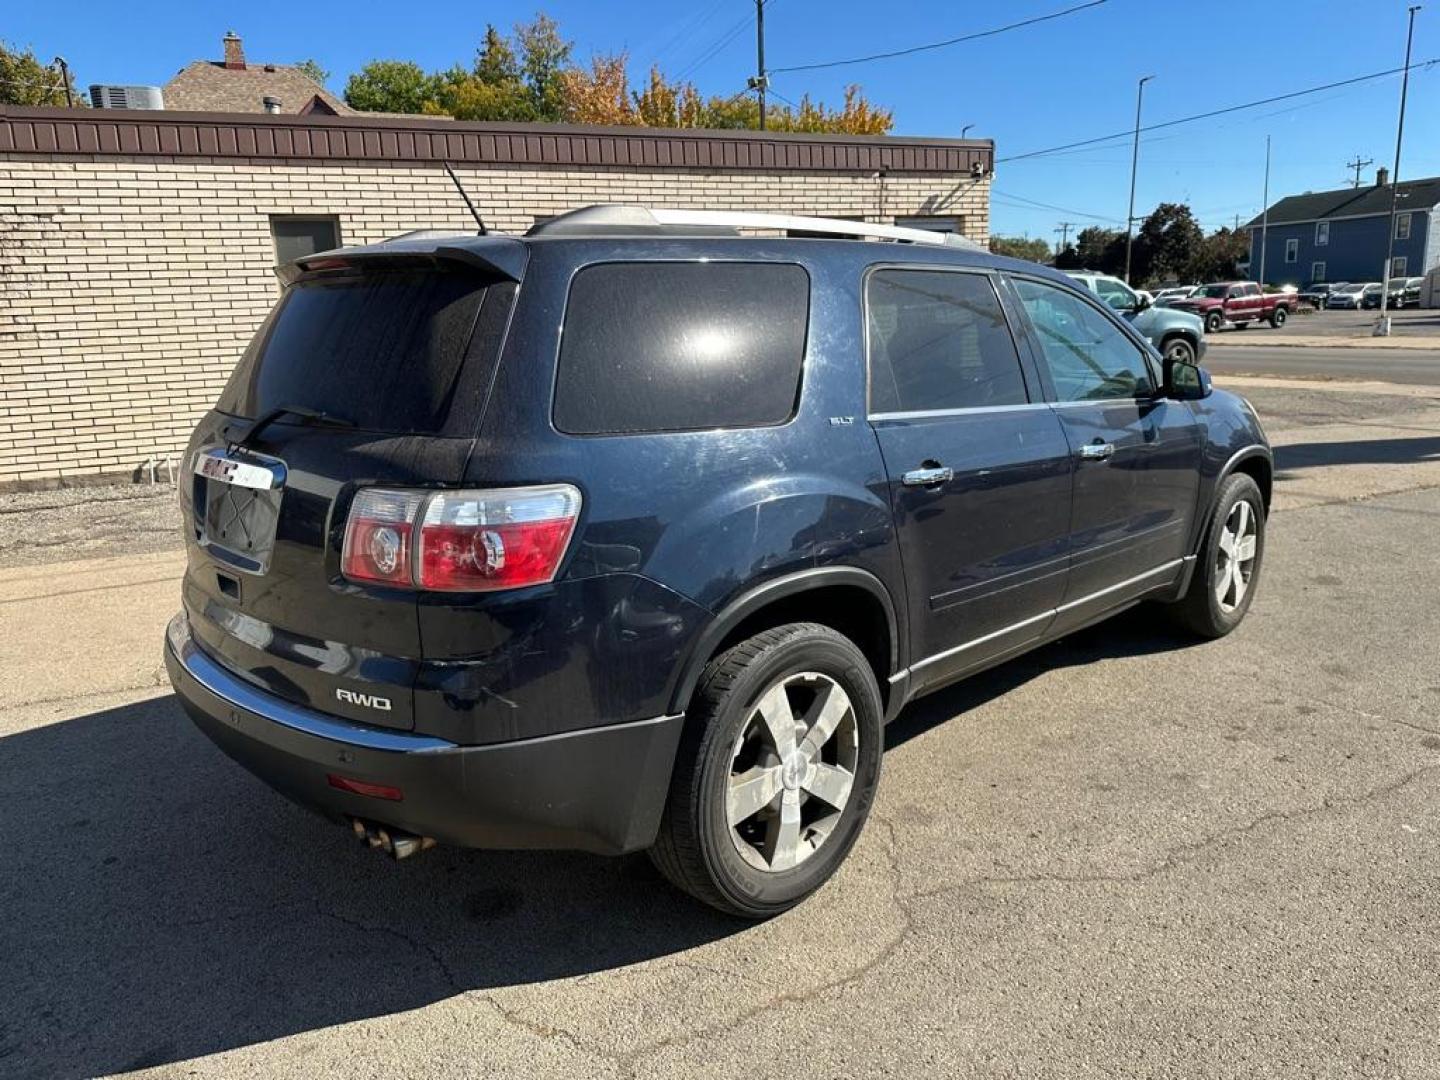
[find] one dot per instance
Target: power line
(1216, 112)
(940, 44)
(1028, 203)
(716, 48)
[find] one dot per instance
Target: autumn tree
(531, 77)
(24, 80)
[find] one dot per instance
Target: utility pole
(1382, 327)
(1357, 164)
(1134, 164)
(1265, 219)
(1064, 230)
(65, 81)
(759, 82)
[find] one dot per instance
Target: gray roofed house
(1342, 235)
(233, 86)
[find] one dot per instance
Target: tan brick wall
(129, 286)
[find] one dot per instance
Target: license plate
(236, 473)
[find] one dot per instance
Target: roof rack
(616, 219)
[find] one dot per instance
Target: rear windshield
(681, 346)
(384, 350)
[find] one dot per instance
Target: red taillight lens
(378, 536)
(468, 541)
(473, 541)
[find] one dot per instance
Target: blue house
(1341, 235)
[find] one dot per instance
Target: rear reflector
(460, 541)
(364, 787)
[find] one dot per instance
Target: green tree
(1101, 249)
(1218, 256)
(544, 57)
(1168, 244)
(1021, 247)
(312, 68)
(26, 81)
(398, 86)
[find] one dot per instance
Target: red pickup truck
(1238, 302)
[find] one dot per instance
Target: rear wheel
(1213, 322)
(1278, 317)
(1230, 555)
(775, 773)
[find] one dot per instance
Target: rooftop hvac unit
(126, 97)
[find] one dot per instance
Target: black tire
(1200, 610)
(695, 849)
(1214, 321)
(1278, 317)
(1178, 349)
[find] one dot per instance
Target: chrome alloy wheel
(792, 770)
(1235, 556)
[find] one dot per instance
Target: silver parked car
(1178, 335)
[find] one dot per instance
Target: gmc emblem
(369, 701)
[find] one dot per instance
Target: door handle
(938, 474)
(1097, 451)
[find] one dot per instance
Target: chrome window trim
(924, 414)
(1048, 613)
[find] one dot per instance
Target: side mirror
(1186, 382)
(1141, 303)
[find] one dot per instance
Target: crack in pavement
(1182, 853)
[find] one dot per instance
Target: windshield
(1213, 290)
(1397, 283)
(1350, 288)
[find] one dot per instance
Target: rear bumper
(597, 789)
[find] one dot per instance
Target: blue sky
(1033, 88)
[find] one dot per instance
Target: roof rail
(746, 219)
(612, 219)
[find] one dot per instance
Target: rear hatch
(373, 369)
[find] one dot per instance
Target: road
(1127, 854)
(1414, 367)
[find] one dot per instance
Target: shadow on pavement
(1368, 452)
(1140, 631)
(160, 903)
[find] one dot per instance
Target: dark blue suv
(632, 533)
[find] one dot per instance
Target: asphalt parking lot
(1123, 855)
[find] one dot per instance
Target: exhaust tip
(396, 844)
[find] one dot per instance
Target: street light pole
(1265, 220)
(1382, 328)
(1134, 164)
(964, 129)
(65, 81)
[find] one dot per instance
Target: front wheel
(1213, 322)
(1179, 351)
(1228, 567)
(775, 773)
(1278, 317)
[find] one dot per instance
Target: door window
(939, 340)
(1089, 359)
(1117, 294)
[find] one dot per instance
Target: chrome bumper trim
(236, 691)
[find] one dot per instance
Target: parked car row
(1404, 292)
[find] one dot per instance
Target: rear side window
(939, 340)
(681, 346)
(384, 350)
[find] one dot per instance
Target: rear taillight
(460, 541)
(379, 536)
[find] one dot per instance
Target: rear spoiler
(499, 256)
